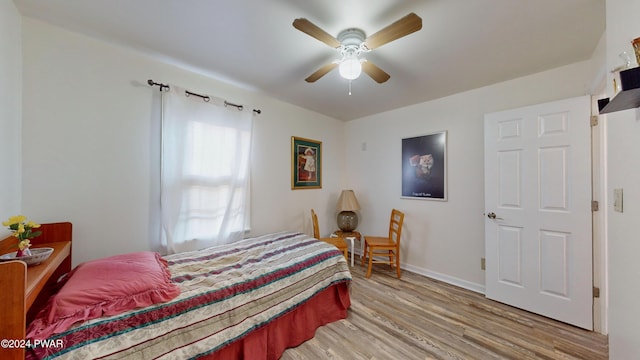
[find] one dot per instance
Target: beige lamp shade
(348, 201)
(347, 204)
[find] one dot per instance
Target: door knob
(493, 216)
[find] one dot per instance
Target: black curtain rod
(153, 83)
(204, 97)
(239, 107)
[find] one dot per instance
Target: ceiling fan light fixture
(351, 46)
(350, 68)
(352, 42)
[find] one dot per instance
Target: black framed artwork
(424, 166)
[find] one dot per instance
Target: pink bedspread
(227, 293)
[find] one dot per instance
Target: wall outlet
(617, 200)
(483, 264)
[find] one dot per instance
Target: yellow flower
(33, 225)
(14, 220)
(21, 228)
(24, 244)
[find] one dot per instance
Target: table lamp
(347, 204)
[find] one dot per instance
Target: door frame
(599, 218)
(599, 225)
(600, 266)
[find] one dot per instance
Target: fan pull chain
(349, 87)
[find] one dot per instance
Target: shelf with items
(629, 95)
(27, 289)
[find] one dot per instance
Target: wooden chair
(385, 246)
(336, 241)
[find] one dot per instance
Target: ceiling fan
(352, 43)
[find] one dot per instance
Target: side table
(351, 236)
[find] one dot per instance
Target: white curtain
(205, 171)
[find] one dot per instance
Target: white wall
(443, 239)
(91, 144)
(623, 172)
(10, 111)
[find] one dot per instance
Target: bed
(251, 299)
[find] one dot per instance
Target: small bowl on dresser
(37, 256)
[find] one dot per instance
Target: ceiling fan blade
(312, 30)
(403, 27)
(375, 72)
(320, 72)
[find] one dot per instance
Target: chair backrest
(395, 225)
(316, 230)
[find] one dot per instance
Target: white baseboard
(479, 288)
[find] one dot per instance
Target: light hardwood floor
(420, 318)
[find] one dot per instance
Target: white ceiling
(463, 44)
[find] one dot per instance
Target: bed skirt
(291, 329)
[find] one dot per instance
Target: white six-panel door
(538, 239)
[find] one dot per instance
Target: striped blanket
(226, 292)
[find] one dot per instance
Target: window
(205, 181)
